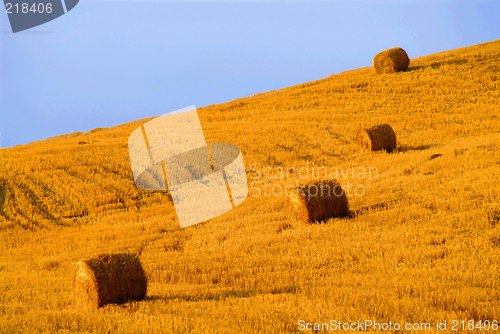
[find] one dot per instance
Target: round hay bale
(108, 278)
(391, 60)
(318, 200)
(376, 138)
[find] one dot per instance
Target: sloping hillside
(423, 245)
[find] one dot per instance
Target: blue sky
(109, 62)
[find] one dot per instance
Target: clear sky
(109, 62)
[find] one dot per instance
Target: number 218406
(25, 8)
(472, 325)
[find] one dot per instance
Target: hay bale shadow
(224, 294)
(436, 65)
(406, 148)
(381, 206)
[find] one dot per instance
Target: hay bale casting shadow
(108, 278)
(318, 200)
(376, 138)
(391, 60)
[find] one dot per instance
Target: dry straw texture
(397, 258)
(376, 138)
(318, 200)
(391, 60)
(109, 278)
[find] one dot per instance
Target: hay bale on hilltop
(109, 278)
(318, 200)
(376, 138)
(391, 60)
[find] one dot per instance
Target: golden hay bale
(391, 60)
(109, 278)
(376, 138)
(318, 200)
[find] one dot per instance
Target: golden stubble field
(423, 244)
